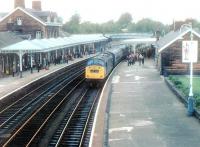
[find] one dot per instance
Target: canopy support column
(31, 62)
(93, 48)
(79, 50)
(3, 64)
(63, 55)
(84, 49)
(74, 52)
(56, 54)
(40, 58)
(20, 62)
(49, 57)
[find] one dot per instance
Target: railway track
(16, 113)
(74, 106)
(24, 134)
(40, 89)
(75, 130)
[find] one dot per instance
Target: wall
(171, 61)
(29, 25)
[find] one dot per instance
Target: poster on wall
(189, 51)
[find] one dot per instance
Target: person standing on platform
(38, 67)
(14, 70)
(66, 58)
(140, 58)
(18, 69)
(128, 59)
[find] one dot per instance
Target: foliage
(73, 25)
(148, 25)
(177, 24)
(182, 83)
(123, 24)
(124, 20)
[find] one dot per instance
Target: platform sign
(189, 51)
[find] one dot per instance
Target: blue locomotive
(99, 67)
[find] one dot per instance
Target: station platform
(142, 112)
(11, 84)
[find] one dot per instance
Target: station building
(169, 52)
(31, 23)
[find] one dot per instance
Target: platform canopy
(45, 45)
(25, 45)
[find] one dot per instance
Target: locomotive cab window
(95, 62)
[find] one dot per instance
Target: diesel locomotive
(99, 67)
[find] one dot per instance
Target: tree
(72, 26)
(109, 27)
(75, 19)
(88, 27)
(124, 24)
(149, 26)
(124, 20)
(177, 24)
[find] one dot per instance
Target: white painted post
(40, 58)
(31, 62)
(20, 62)
(191, 71)
(56, 54)
(84, 48)
(3, 62)
(93, 48)
(63, 55)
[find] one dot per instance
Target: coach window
(19, 21)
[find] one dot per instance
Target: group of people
(133, 57)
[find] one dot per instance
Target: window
(95, 62)
(38, 35)
(19, 21)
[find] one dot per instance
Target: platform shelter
(27, 54)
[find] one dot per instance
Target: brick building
(30, 23)
(170, 52)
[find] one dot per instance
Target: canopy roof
(172, 37)
(45, 45)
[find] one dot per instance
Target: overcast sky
(104, 10)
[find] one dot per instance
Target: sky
(99, 11)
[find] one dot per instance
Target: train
(98, 68)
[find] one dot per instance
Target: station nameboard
(189, 51)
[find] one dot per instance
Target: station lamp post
(191, 98)
(189, 55)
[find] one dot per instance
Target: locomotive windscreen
(95, 62)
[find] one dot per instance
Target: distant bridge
(123, 36)
(140, 40)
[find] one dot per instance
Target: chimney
(36, 5)
(19, 3)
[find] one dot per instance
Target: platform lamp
(191, 98)
(190, 55)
